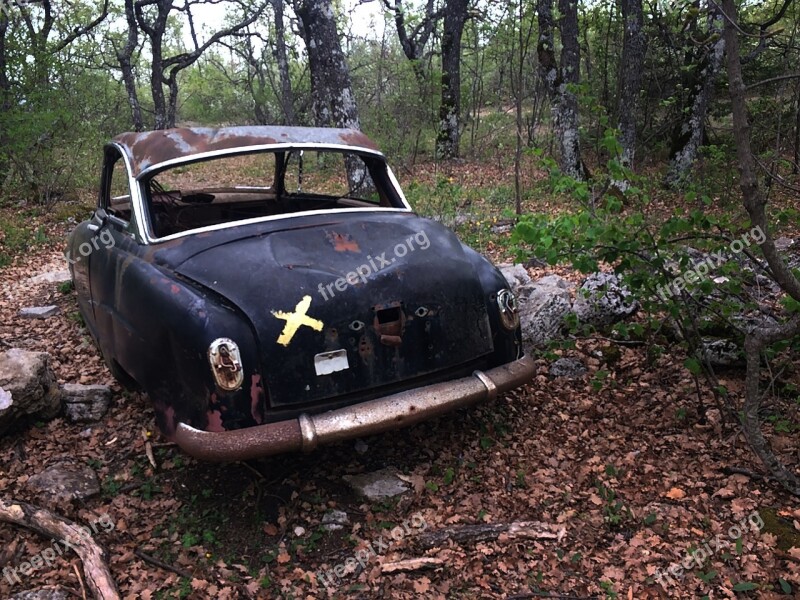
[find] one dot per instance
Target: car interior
(227, 189)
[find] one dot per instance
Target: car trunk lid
(349, 307)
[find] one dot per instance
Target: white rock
(378, 485)
(542, 309)
(39, 312)
(334, 520)
(556, 281)
(721, 353)
(5, 399)
(516, 275)
(57, 276)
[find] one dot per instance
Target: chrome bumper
(366, 418)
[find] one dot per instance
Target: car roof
(148, 148)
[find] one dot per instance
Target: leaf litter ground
(625, 462)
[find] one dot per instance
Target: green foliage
(657, 257)
(17, 236)
(614, 510)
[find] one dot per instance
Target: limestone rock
(85, 403)
(28, 387)
(39, 312)
(602, 300)
(542, 309)
(571, 368)
(66, 481)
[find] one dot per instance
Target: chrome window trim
(136, 201)
(219, 226)
(143, 222)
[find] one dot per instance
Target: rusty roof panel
(150, 148)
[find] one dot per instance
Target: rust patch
(214, 421)
(149, 148)
(356, 138)
(257, 399)
(342, 242)
(365, 349)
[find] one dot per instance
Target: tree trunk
(124, 57)
(330, 76)
(545, 48)
(165, 111)
(413, 44)
(755, 203)
(455, 15)
(331, 89)
(634, 44)
(155, 31)
(287, 96)
(5, 94)
(172, 106)
(689, 135)
(796, 166)
(565, 108)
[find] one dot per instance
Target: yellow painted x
(295, 319)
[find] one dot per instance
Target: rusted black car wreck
(271, 289)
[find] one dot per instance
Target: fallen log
(411, 564)
(528, 530)
(93, 556)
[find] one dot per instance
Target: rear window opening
(232, 188)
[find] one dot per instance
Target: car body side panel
(158, 330)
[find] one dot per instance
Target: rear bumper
(367, 418)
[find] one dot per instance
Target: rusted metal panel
(149, 148)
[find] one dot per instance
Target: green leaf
(693, 365)
(745, 586)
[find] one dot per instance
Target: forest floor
(632, 467)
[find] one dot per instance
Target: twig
(92, 555)
(158, 563)
(548, 595)
(461, 534)
(746, 472)
(258, 473)
(80, 579)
